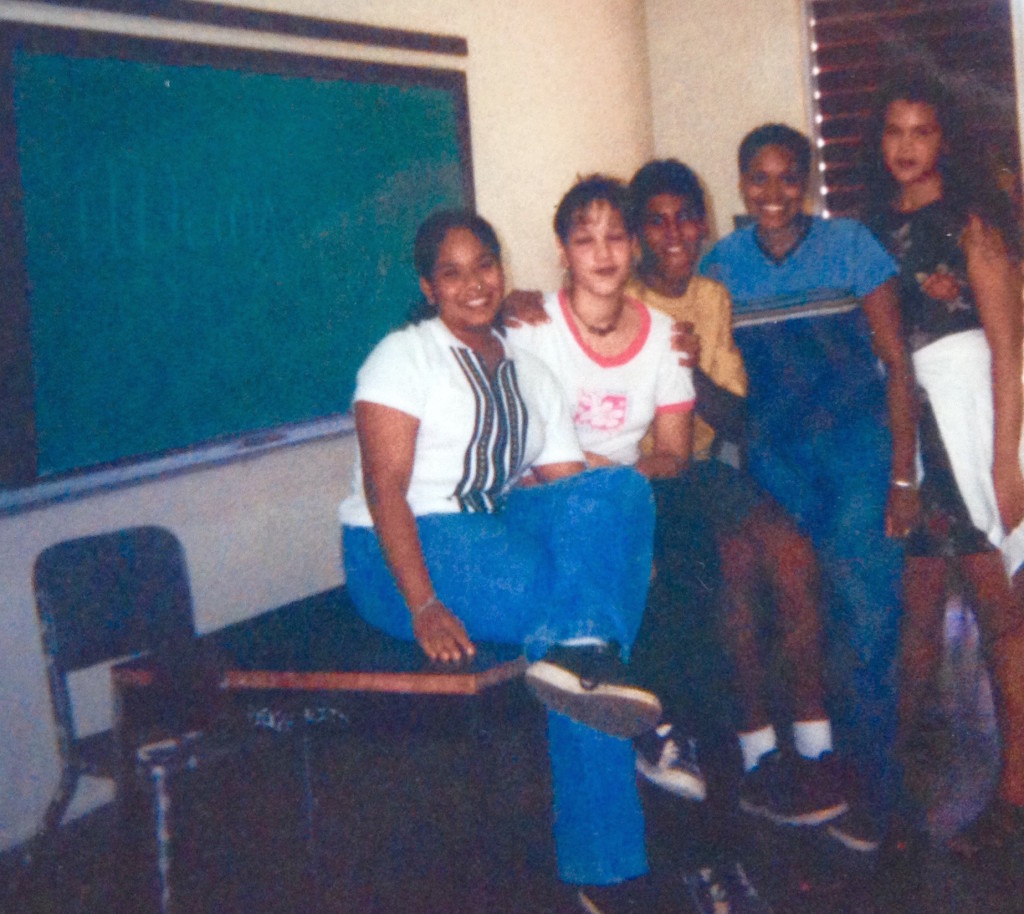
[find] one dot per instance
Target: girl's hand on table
(441, 635)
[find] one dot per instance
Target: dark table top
(322, 644)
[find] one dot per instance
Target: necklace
(600, 330)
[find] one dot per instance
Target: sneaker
(725, 890)
(590, 685)
(661, 760)
(633, 896)
(856, 831)
(791, 790)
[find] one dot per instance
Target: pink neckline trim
(629, 352)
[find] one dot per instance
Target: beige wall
(550, 81)
(718, 69)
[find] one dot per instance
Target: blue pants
(835, 485)
(819, 443)
(562, 560)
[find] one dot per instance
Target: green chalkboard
(211, 240)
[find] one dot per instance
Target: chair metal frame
(100, 598)
(103, 598)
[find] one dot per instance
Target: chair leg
(33, 848)
(162, 831)
(54, 814)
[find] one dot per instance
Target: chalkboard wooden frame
(281, 23)
(18, 464)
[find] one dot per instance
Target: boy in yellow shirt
(757, 542)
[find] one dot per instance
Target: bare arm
(723, 410)
(995, 282)
(720, 408)
(673, 442)
(387, 445)
(550, 472)
(883, 316)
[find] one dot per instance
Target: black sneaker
(856, 831)
(590, 684)
(663, 762)
(725, 890)
(791, 790)
(633, 896)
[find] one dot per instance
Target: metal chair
(108, 597)
(101, 598)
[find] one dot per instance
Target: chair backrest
(112, 595)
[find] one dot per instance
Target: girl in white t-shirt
(443, 544)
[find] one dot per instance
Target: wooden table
(314, 671)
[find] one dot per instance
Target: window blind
(855, 44)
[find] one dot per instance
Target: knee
(740, 557)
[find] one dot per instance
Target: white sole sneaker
(852, 839)
(811, 817)
(620, 710)
(677, 781)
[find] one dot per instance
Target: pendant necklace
(597, 331)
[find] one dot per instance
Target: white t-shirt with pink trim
(612, 400)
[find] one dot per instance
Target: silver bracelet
(903, 484)
(423, 607)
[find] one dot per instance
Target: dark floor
(328, 822)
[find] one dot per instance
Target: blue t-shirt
(804, 340)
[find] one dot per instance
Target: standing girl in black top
(952, 232)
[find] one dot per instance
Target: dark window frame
(853, 44)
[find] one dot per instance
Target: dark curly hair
(664, 176)
(969, 186)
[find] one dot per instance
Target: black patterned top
(925, 242)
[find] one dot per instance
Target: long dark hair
(969, 185)
(427, 247)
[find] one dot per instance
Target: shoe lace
(669, 754)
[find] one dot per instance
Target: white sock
(812, 738)
(756, 743)
(582, 641)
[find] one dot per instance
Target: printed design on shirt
(602, 410)
(494, 454)
(940, 283)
